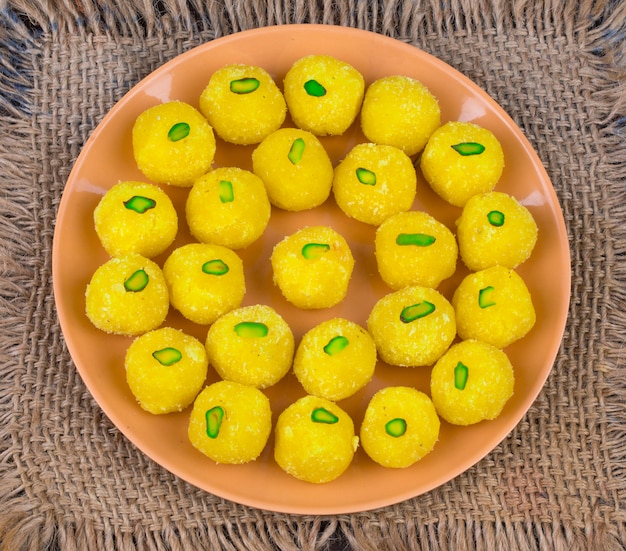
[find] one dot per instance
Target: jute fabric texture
(68, 478)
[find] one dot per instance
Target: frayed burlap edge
(607, 73)
(17, 524)
(601, 27)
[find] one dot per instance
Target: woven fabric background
(68, 478)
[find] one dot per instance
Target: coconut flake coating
(335, 359)
(114, 304)
(243, 426)
(173, 143)
(312, 267)
(228, 206)
(494, 306)
(400, 111)
(135, 217)
(295, 168)
(330, 106)
(204, 281)
(314, 451)
(404, 407)
(494, 228)
(374, 182)
(243, 104)
(488, 387)
(460, 160)
(251, 345)
(412, 327)
(165, 369)
(413, 248)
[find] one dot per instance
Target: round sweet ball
(471, 382)
(494, 306)
(313, 267)
(243, 104)
(413, 248)
(400, 111)
(204, 281)
(494, 228)
(400, 427)
(412, 327)
(460, 160)
(315, 440)
(173, 143)
(230, 423)
(295, 168)
(374, 182)
(323, 94)
(127, 295)
(135, 217)
(165, 369)
(335, 359)
(252, 345)
(228, 206)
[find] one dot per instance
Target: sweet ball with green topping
(315, 440)
(228, 206)
(493, 305)
(127, 295)
(460, 160)
(173, 143)
(295, 168)
(204, 281)
(313, 267)
(335, 359)
(165, 369)
(412, 327)
(413, 248)
(400, 111)
(323, 94)
(495, 229)
(374, 182)
(471, 382)
(230, 423)
(251, 345)
(135, 217)
(243, 104)
(400, 427)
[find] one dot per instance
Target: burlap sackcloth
(70, 480)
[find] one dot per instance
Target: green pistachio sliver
(417, 239)
(138, 281)
(396, 427)
(251, 329)
(214, 418)
(366, 177)
(215, 267)
(297, 151)
(244, 85)
(461, 373)
(496, 218)
(311, 251)
(140, 204)
(468, 148)
(314, 88)
(167, 356)
(485, 297)
(179, 131)
(322, 415)
(336, 345)
(226, 192)
(416, 311)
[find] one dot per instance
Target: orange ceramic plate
(107, 158)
